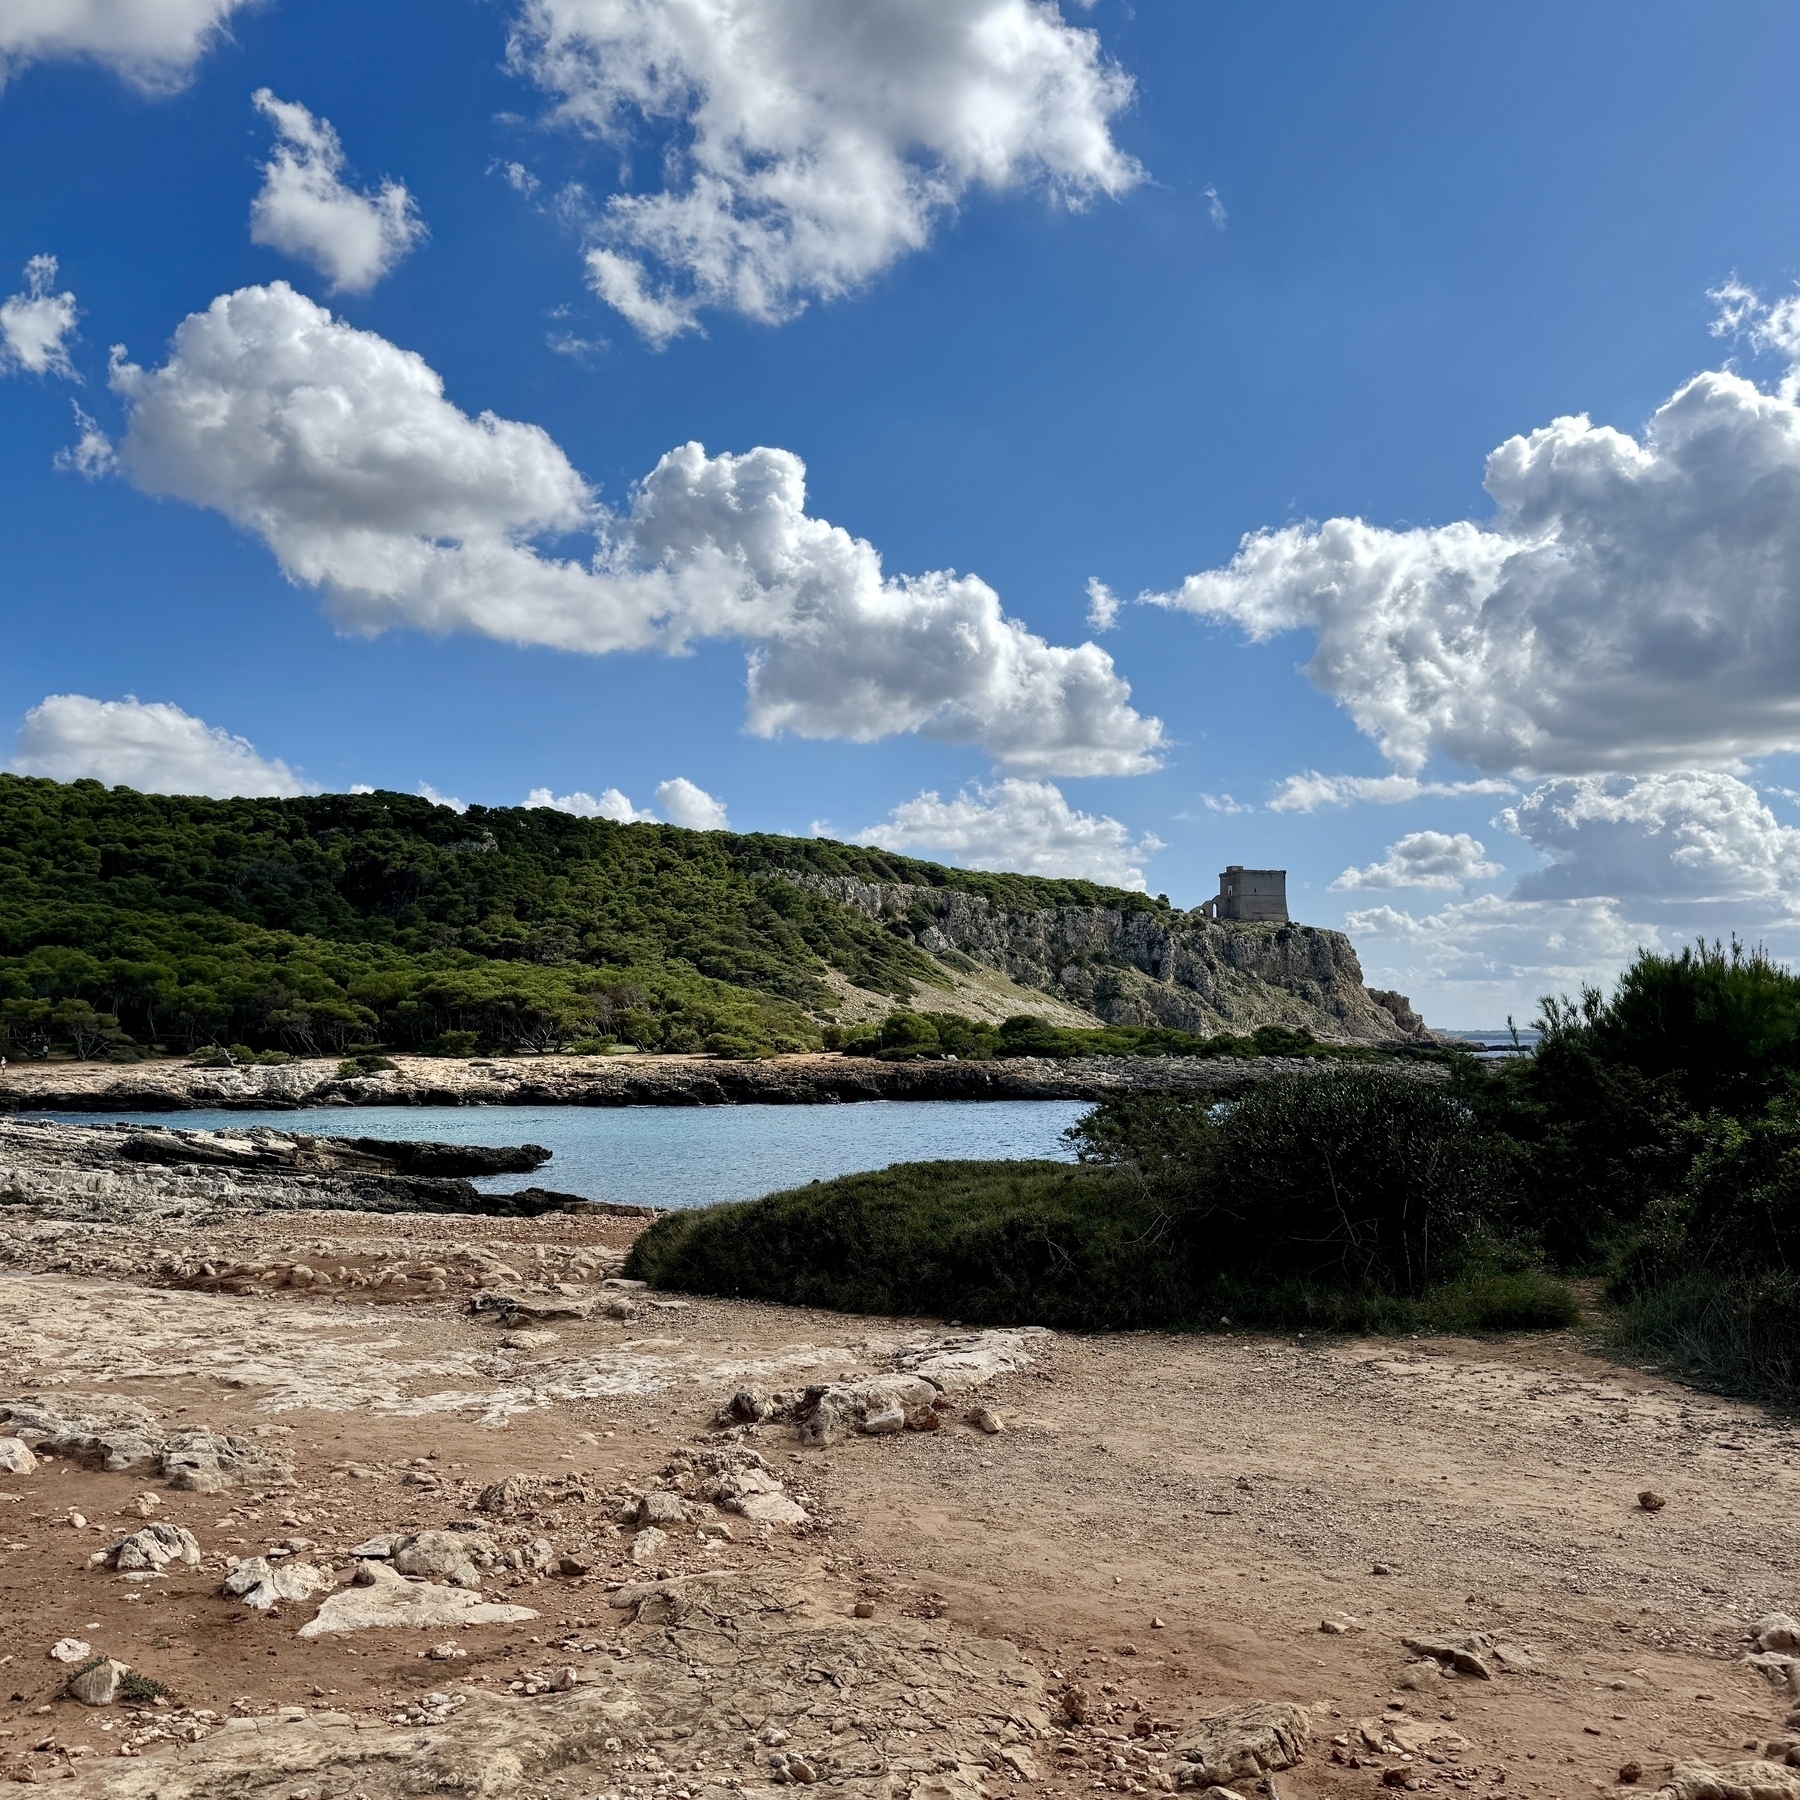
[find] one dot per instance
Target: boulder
(16, 1457)
(1461, 1654)
(771, 1509)
(152, 1549)
(1777, 1667)
(749, 1488)
(260, 1583)
(826, 1415)
(208, 1462)
(385, 1600)
(98, 1683)
(458, 1556)
(1426, 1677)
(511, 1309)
(648, 1545)
(1779, 1631)
(1474, 1653)
(748, 1406)
(661, 1507)
(1247, 1742)
(70, 1650)
(515, 1494)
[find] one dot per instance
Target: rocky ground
(349, 1503)
(630, 1080)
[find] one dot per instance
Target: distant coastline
(799, 1080)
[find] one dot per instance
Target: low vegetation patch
(1018, 1243)
(907, 1036)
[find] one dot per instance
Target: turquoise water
(681, 1155)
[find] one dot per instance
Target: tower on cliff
(1258, 895)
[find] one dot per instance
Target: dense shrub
(1656, 1140)
(1020, 1243)
(1344, 1201)
(1722, 1025)
(1359, 1179)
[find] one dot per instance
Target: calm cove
(680, 1155)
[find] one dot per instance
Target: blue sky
(1044, 298)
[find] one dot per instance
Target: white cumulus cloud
(1025, 827)
(608, 804)
(1425, 859)
(807, 145)
(1485, 957)
(1653, 860)
(35, 325)
(343, 454)
(1682, 836)
(454, 802)
(152, 43)
(306, 209)
(685, 803)
(152, 746)
(1308, 792)
(1631, 604)
(691, 806)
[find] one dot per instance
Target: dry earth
(1156, 1534)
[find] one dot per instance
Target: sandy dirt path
(1158, 1533)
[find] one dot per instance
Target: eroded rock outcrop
(1150, 965)
(126, 1168)
(770, 1648)
(119, 1435)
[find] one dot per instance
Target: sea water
(680, 1155)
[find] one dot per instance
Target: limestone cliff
(1145, 965)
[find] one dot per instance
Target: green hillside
(310, 925)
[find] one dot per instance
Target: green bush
(1017, 1243)
(1352, 1201)
(1722, 1024)
(1357, 1178)
(906, 1034)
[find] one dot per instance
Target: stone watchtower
(1257, 895)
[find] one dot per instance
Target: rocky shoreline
(629, 1081)
(131, 1174)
